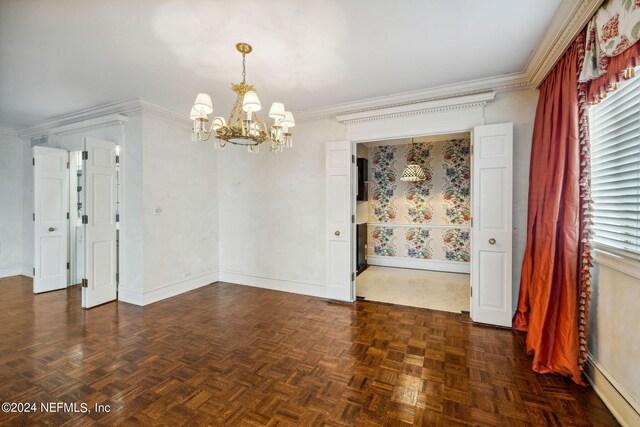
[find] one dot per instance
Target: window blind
(615, 167)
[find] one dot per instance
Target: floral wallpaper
(384, 175)
(435, 204)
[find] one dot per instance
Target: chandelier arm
(205, 133)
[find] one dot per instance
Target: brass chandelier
(244, 127)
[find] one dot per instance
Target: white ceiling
(58, 57)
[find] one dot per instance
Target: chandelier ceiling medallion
(244, 127)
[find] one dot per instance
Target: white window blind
(615, 167)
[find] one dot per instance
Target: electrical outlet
(157, 210)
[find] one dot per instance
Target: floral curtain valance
(613, 30)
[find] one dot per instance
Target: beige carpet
(417, 288)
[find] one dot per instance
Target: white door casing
(491, 242)
(51, 204)
(100, 223)
(339, 171)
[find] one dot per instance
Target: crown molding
(490, 85)
(448, 104)
(570, 17)
(568, 20)
(99, 116)
(8, 132)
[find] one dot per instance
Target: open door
(51, 206)
(99, 284)
(340, 272)
(491, 244)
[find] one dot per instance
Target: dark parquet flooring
(229, 355)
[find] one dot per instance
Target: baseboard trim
(27, 270)
(130, 296)
(167, 290)
(621, 405)
(10, 270)
(420, 264)
(314, 289)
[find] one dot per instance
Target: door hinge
(117, 159)
(353, 276)
(68, 266)
(85, 283)
(117, 278)
(67, 165)
(34, 161)
(117, 217)
(353, 158)
(67, 215)
(472, 149)
(34, 216)
(471, 291)
(34, 272)
(85, 155)
(353, 219)
(85, 219)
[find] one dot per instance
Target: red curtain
(548, 300)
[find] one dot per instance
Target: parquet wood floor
(229, 355)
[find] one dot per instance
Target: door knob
(492, 241)
(51, 229)
(337, 233)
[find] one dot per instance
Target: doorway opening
(76, 220)
(413, 235)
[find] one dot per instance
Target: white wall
(272, 206)
(129, 137)
(180, 178)
(11, 156)
(614, 342)
(519, 108)
(272, 210)
(27, 209)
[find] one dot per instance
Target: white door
(338, 231)
(491, 232)
(51, 204)
(99, 285)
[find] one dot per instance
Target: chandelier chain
(244, 69)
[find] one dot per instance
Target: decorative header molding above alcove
(442, 105)
(459, 114)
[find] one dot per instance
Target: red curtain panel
(548, 301)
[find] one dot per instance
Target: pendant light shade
(277, 111)
(413, 173)
(203, 103)
(288, 120)
(251, 102)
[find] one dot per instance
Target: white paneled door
(100, 284)
(491, 244)
(51, 204)
(338, 232)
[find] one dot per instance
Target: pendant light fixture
(244, 127)
(413, 173)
